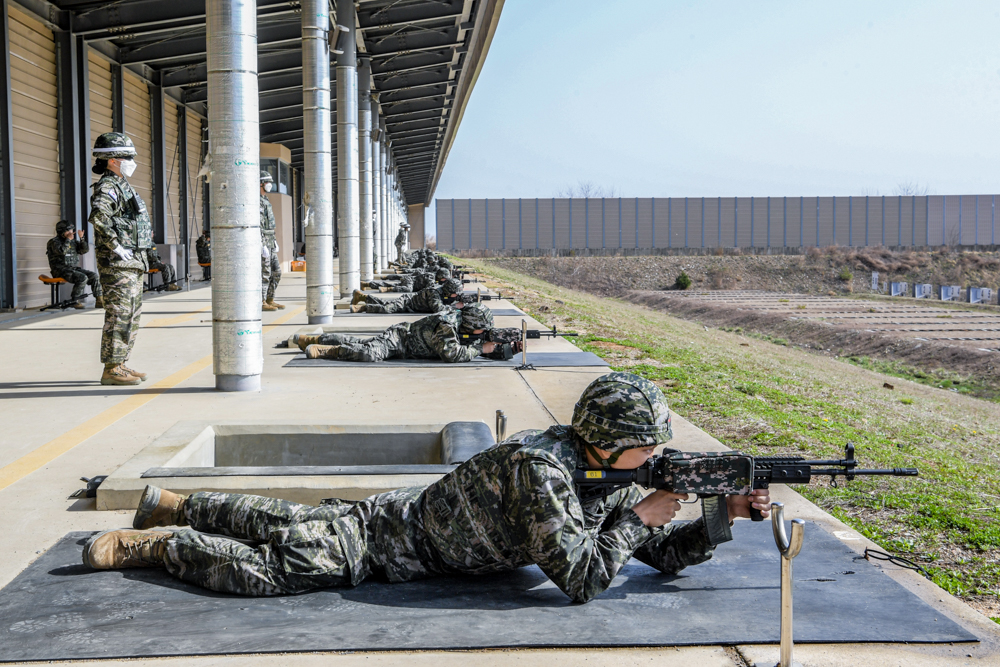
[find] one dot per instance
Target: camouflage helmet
(442, 275)
(621, 411)
(451, 286)
(112, 146)
(476, 316)
(63, 226)
(265, 177)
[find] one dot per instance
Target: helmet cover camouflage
(621, 411)
(266, 177)
(63, 226)
(442, 275)
(113, 145)
(476, 316)
(451, 286)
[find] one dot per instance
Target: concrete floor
(61, 424)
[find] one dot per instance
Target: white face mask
(268, 186)
(127, 167)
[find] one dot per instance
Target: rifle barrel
(895, 472)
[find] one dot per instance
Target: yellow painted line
(48, 452)
(183, 317)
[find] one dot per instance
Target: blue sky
(663, 98)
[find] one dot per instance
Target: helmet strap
(605, 462)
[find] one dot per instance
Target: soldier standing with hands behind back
(123, 234)
(270, 267)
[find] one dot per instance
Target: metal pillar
(384, 195)
(365, 166)
(117, 99)
(158, 164)
(317, 180)
(82, 110)
(71, 143)
(234, 148)
(348, 222)
(379, 258)
(183, 209)
(8, 239)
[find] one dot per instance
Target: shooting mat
(57, 609)
(497, 312)
(537, 359)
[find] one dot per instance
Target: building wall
(715, 222)
(34, 101)
(139, 129)
(194, 190)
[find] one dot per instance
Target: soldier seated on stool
(510, 506)
(64, 253)
(166, 270)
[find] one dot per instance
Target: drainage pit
(302, 462)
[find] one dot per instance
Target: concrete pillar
(365, 165)
(348, 221)
(378, 259)
(234, 136)
(383, 195)
(317, 178)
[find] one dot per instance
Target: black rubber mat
(497, 312)
(537, 359)
(58, 610)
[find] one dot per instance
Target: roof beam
(195, 47)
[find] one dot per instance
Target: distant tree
(908, 188)
(430, 242)
(588, 189)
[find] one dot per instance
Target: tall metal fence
(716, 222)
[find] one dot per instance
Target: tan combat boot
(366, 285)
(305, 340)
(277, 305)
(136, 374)
(265, 306)
(117, 549)
(159, 507)
(79, 306)
(172, 287)
(358, 308)
(357, 297)
(115, 374)
(323, 352)
(99, 302)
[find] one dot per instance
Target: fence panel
(935, 217)
(495, 223)
(546, 223)
(967, 219)
(952, 228)
(727, 225)
(711, 221)
(987, 220)
(775, 222)
(644, 207)
(892, 220)
(477, 214)
(443, 223)
(907, 214)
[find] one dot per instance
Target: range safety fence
(716, 222)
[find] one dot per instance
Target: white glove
(124, 253)
(264, 252)
(276, 247)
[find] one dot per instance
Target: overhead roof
(425, 55)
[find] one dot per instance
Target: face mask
(267, 187)
(127, 167)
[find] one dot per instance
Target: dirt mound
(819, 271)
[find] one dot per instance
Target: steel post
(71, 141)
(348, 213)
(117, 99)
(317, 178)
(183, 209)
(379, 258)
(8, 237)
(158, 161)
(234, 147)
(365, 167)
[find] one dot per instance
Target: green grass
(771, 399)
(940, 379)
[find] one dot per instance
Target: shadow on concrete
(113, 391)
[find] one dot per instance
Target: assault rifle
(511, 335)
(723, 473)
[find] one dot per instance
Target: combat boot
(357, 297)
(115, 374)
(323, 352)
(135, 374)
(305, 340)
(276, 304)
(265, 306)
(99, 302)
(358, 308)
(172, 287)
(117, 549)
(159, 507)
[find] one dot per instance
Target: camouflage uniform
(204, 248)
(432, 337)
(120, 218)
(270, 267)
(166, 270)
(64, 262)
(510, 506)
(425, 301)
(400, 241)
(408, 282)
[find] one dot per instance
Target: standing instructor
(122, 233)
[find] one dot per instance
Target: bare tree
(909, 188)
(588, 190)
(870, 191)
(430, 242)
